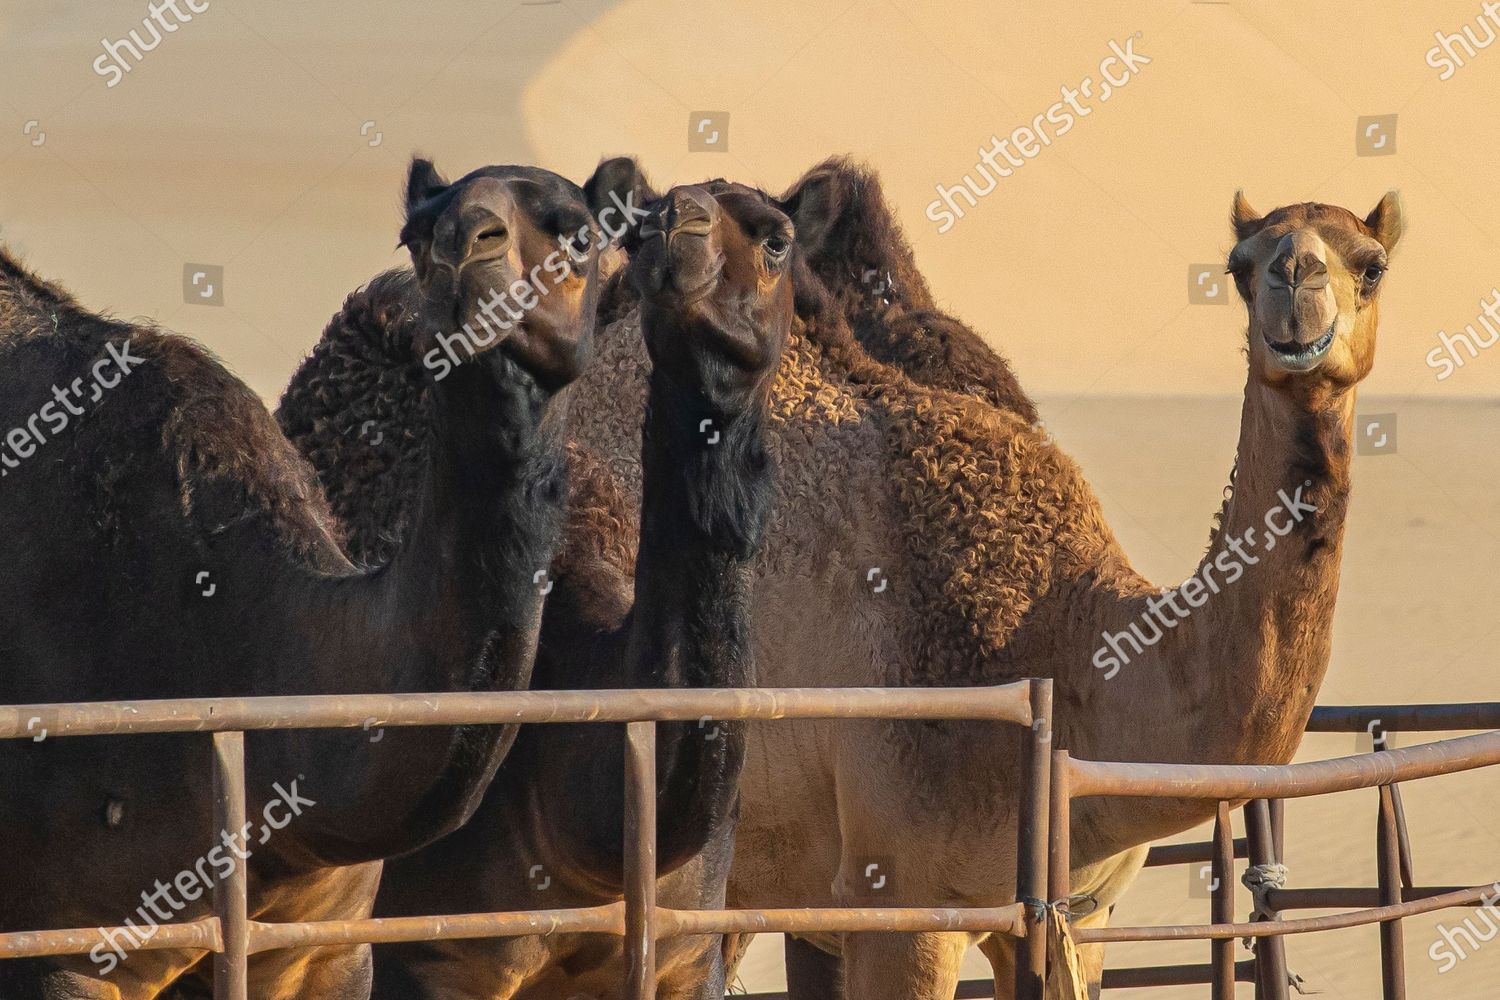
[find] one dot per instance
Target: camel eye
(777, 247)
(1372, 276)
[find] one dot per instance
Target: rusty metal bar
(1221, 904)
(607, 919)
(998, 919)
(1350, 897)
(610, 919)
(1270, 953)
(1388, 872)
(231, 893)
(1272, 928)
(1253, 781)
(1405, 718)
(640, 861)
(1171, 975)
(1403, 839)
(1032, 846)
(1003, 703)
(1278, 827)
(196, 935)
(1186, 854)
(1060, 857)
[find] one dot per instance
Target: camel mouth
(1301, 357)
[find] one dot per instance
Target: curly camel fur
(999, 565)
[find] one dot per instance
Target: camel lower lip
(1301, 357)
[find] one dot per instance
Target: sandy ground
(268, 138)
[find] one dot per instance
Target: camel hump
(357, 408)
(105, 400)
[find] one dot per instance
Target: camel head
(849, 232)
(713, 264)
(1310, 276)
(507, 258)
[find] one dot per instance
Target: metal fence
(233, 937)
(1053, 780)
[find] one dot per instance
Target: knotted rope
(1260, 880)
(1065, 979)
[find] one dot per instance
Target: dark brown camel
(857, 247)
(165, 540)
(549, 833)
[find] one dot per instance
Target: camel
(713, 277)
(921, 536)
(855, 244)
(164, 539)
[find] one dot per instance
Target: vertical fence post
(640, 860)
(1032, 842)
(1060, 860)
(1223, 903)
(1270, 952)
(231, 894)
(1388, 872)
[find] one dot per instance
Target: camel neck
(1225, 667)
(457, 609)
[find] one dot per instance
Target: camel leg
(1000, 949)
(903, 966)
(812, 973)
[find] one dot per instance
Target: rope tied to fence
(1065, 979)
(1260, 880)
(1080, 904)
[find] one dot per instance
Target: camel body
(925, 537)
(169, 542)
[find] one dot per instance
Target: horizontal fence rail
(1052, 780)
(1288, 781)
(1003, 703)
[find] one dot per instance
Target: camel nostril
(690, 214)
(489, 242)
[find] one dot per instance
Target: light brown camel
(924, 537)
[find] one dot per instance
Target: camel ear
(619, 183)
(1242, 217)
(422, 182)
(814, 205)
(1387, 220)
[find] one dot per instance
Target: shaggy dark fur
(168, 541)
(858, 249)
(659, 600)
